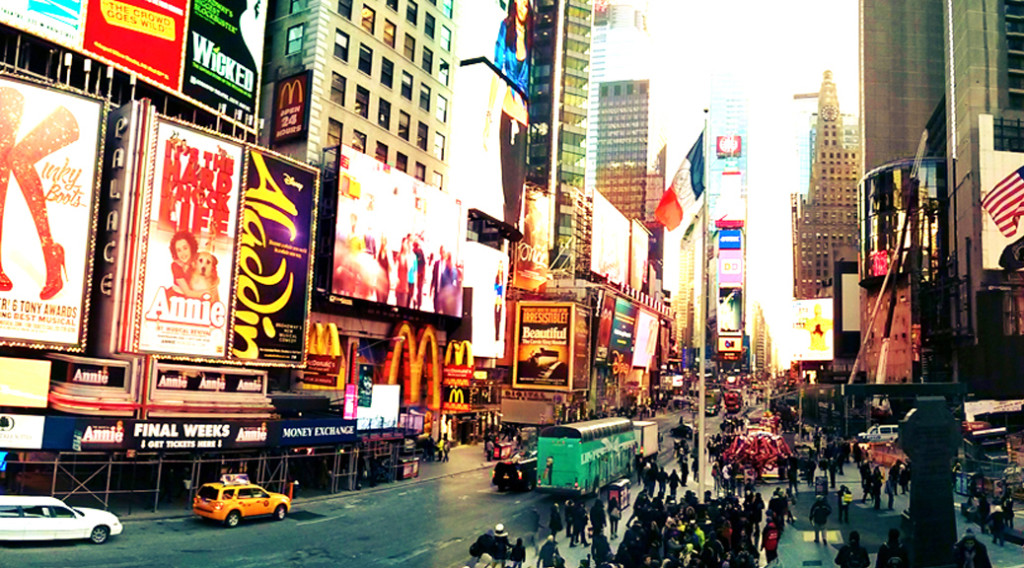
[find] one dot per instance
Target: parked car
(518, 472)
(47, 518)
(880, 433)
(234, 498)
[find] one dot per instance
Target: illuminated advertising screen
(381, 410)
(730, 310)
(812, 330)
(638, 245)
(60, 21)
(545, 337)
(51, 147)
(730, 239)
(500, 31)
(728, 205)
(190, 257)
(647, 326)
(24, 383)
(729, 146)
(487, 275)
(604, 326)
(531, 256)
(1002, 205)
(488, 146)
(275, 238)
(142, 36)
(397, 240)
(623, 326)
(727, 344)
(730, 268)
(224, 53)
(609, 249)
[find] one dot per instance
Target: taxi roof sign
(235, 479)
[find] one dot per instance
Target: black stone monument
(929, 436)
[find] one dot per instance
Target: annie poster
(49, 145)
(193, 212)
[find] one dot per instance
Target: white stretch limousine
(46, 518)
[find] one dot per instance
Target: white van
(47, 518)
(880, 433)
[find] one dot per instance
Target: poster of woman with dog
(190, 243)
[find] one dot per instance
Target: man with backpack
(892, 553)
(853, 555)
(845, 498)
(819, 514)
(770, 542)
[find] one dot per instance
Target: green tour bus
(579, 459)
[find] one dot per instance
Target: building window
(442, 73)
(295, 6)
(389, 33)
(294, 40)
(439, 146)
(393, 4)
(410, 48)
(384, 114)
(382, 152)
(446, 38)
(362, 102)
(425, 97)
(369, 19)
(345, 8)
(341, 45)
(428, 25)
(387, 72)
(441, 112)
(421, 136)
(427, 63)
(359, 141)
(438, 180)
(406, 85)
(338, 89)
(401, 161)
(333, 133)
(421, 172)
(403, 125)
(412, 12)
(446, 7)
(365, 59)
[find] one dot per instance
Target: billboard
(379, 410)
(21, 431)
(487, 275)
(545, 337)
(812, 330)
(639, 241)
(604, 326)
(397, 240)
(730, 268)
(224, 53)
(730, 310)
(730, 239)
(488, 147)
(190, 240)
(609, 249)
(491, 29)
(647, 328)
(50, 143)
(728, 205)
(290, 112)
(1002, 205)
(730, 344)
(623, 326)
(532, 252)
(141, 36)
(729, 146)
(24, 383)
(274, 254)
(57, 21)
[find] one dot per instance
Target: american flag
(1005, 202)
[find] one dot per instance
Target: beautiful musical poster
(193, 212)
(49, 146)
(544, 346)
(275, 237)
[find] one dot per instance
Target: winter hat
(499, 530)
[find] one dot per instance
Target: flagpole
(701, 327)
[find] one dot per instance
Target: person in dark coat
(501, 547)
(579, 526)
(548, 553)
(984, 509)
(555, 522)
(598, 519)
(684, 471)
(569, 510)
(852, 554)
(892, 553)
(997, 523)
(518, 554)
(673, 483)
(970, 553)
(662, 482)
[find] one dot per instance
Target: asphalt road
(427, 525)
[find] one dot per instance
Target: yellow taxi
(234, 498)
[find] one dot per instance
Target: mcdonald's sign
(325, 367)
(418, 352)
(291, 107)
(455, 400)
(458, 363)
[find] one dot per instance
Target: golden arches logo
(292, 92)
(323, 339)
(325, 366)
(418, 347)
(457, 396)
(459, 353)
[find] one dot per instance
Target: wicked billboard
(544, 345)
(50, 143)
(275, 237)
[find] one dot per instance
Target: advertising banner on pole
(224, 54)
(190, 241)
(142, 36)
(532, 253)
(544, 346)
(275, 238)
(51, 147)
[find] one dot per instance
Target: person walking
(852, 554)
(555, 522)
(970, 553)
(598, 518)
(877, 479)
(662, 482)
(569, 511)
(793, 473)
(844, 498)
(500, 548)
(997, 524)
(770, 542)
(984, 509)
(579, 525)
(614, 514)
(905, 479)
(892, 486)
(548, 556)
(673, 483)
(892, 553)
(819, 514)
(517, 556)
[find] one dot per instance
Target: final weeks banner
(274, 240)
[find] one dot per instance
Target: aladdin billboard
(544, 342)
(812, 330)
(190, 239)
(397, 240)
(51, 147)
(609, 252)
